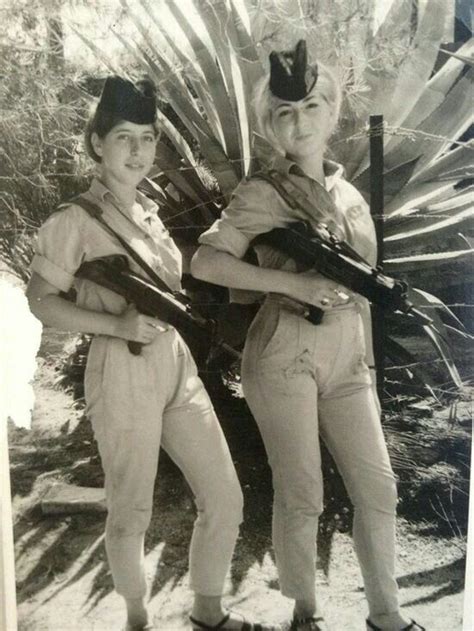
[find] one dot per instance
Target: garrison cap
(135, 103)
(291, 79)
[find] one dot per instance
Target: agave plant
(204, 58)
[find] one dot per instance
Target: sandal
(311, 621)
(246, 626)
(413, 626)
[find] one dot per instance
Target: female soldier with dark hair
(138, 402)
(303, 380)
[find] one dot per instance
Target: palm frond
(205, 60)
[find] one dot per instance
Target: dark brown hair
(101, 123)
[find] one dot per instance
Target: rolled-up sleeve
(60, 248)
(248, 214)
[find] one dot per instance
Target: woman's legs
(130, 460)
(279, 384)
(286, 414)
(196, 443)
(351, 428)
(128, 411)
(194, 439)
(125, 405)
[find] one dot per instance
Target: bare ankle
(208, 609)
(137, 614)
(305, 608)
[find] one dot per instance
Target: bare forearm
(59, 313)
(224, 269)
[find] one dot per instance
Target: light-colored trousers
(136, 404)
(301, 382)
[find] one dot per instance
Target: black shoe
(310, 623)
(413, 626)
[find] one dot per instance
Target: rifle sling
(94, 211)
(294, 196)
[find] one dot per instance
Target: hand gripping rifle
(113, 272)
(318, 248)
(151, 296)
(334, 258)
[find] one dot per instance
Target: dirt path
(62, 575)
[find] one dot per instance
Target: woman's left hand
(315, 289)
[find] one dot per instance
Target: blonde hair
(264, 102)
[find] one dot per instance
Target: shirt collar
(332, 170)
(99, 190)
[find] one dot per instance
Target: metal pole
(376, 210)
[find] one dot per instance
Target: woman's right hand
(313, 288)
(136, 327)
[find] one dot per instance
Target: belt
(308, 312)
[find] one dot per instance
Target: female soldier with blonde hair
(304, 380)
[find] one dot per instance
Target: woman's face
(300, 126)
(127, 152)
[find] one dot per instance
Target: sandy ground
(62, 575)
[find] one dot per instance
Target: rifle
(113, 272)
(317, 247)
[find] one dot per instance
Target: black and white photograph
(236, 315)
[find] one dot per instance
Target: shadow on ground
(73, 546)
(446, 579)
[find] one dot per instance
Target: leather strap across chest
(94, 211)
(296, 198)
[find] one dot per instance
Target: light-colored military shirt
(256, 207)
(71, 236)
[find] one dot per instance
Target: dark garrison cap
(135, 103)
(291, 79)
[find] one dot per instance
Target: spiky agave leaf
(388, 93)
(418, 376)
(438, 332)
(433, 94)
(438, 130)
(443, 321)
(194, 75)
(394, 180)
(428, 201)
(420, 133)
(210, 93)
(184, 104)
(426, 270)
(422, 194)
(98, 52)
(438, 311)
(224, 97)
(443, 349)
(202, 71)
(445, 216)
(240, 70)
(456, 164)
